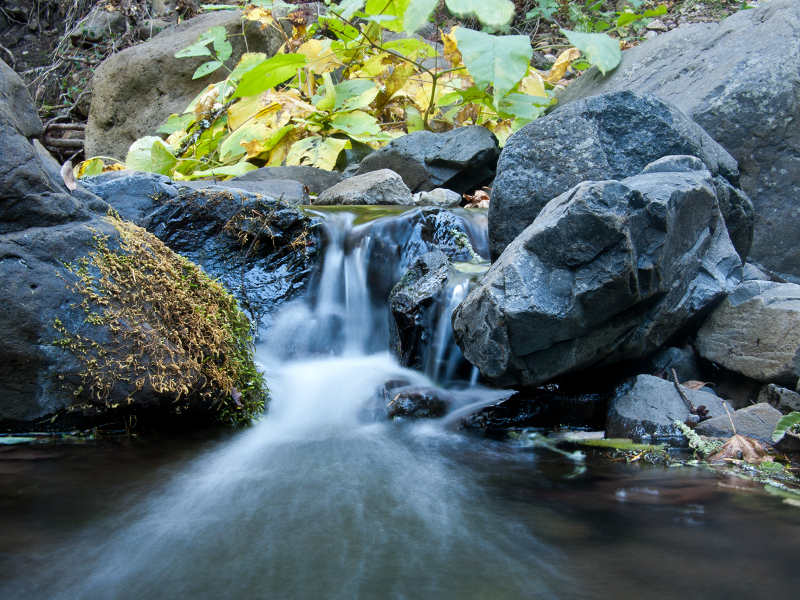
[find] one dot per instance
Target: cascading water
(315, 501)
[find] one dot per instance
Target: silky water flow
(319, 499)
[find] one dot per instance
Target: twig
(677, 384)
(85, 61)
(66, 127)
(7, 51)
(60, 143)
(730, 418)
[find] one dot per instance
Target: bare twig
(11, 56)
(59, 143)
(677, 383)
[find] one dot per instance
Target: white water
(316, 501)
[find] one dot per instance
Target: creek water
(321, 500)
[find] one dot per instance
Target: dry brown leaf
(693, 384)
(479, 200)
(558, 69)
(68, 176)
(450, 51)
(741, 447)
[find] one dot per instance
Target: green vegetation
(347, 82)
(160, 325)
(790, 422)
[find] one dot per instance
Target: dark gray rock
(608, 271)
(683, 360)
(756, 332)
(377, 188)
(780, 398)
(605, 137)
(648, 406)
(135, 90)
(756, 421)
(133, 194)
(316, 180)
(460, 160)
(288, 190)
(413, 304)
(419, 402)
(737, 80)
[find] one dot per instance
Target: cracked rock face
(608, 271)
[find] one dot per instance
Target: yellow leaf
(281, 150)
(264, 17)
(114, 167)
(556, 72)
(451, 52)
(316, 152)
(533, 84)
(501, 129)
(321, 58)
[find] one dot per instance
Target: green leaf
(343, 31)
(522, 106)
(316, 152)
(627, 18)
(229, 171)
(356, 122)
(411, 46)
(784, 423)
(223, 49)
(659, 10)
(417, 14)
(394, 8)
(162, 160)
(206, 68)
(139, 156)
(347, 8)
(600, 49)
(326, 99)
(355, 93)
(269, 73)
(414, 120)
(494, 13)
(198, 49)
(247, 62)
(176, 122)
(499, 61)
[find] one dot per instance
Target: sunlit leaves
(495, 13)
(417, 14)
(356, 123)
(139, 154)
(316, 152)
(600, 49)
(561, 65)
(270, 73)
(497, 61)
(392, 8)
(206, 68)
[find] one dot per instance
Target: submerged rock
(608, 271)
(604, 137)
(756, 332)
(413, 307)
(737, 80)
(648, 406)
(460, 160)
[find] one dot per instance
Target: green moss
(173, 329)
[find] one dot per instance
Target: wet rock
(316, 180)
(413, 304)
(135, 90)
(756, 332)
(378, 188)
(287, 190)
(608, 271)
(438, 197)
(648, 406)
(604, 137)
(419, 402)
(133, 194)
(756, 421)
(460, 160)
(736, 79)
(780, 398)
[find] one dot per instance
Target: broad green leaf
(414, 120)
(417, 14)
(355, 122)
(343, 31)
(659, 10)
(522, 106)
(89, 168)
(316, 152)
(627, 18)
(228, 171)
(269, 73)
(600, 49)
(162, 160)
(355, 93)
(197, 49)
(247, 62)
(394, 8)
(347, 8)
(139, 156)
(176, 122)
(784, 423)
(206, 68)
(326, 99)
(411, 46)
(494, 13)
(499, 61)
(223, 49)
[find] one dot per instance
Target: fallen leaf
(558, 69)
(68, 176)
(450, 51)
(741, 447)
(479, 200)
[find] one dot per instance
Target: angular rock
(780, 398)
(133, 194)
(438, 197)
(683, 360)
(648, 406)
(756, 421)
(737, 80)
(605, 137)
(608, 271)
(135, 90)
(316, 180)
(97, 25)
(419, 402)
(288, 190)
(413, 304)
(756, 332)
(378, 188)
(460, 160)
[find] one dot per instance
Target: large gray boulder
(607, 137)
(649, 406)
(376, 188)
(134, 91)
(316, 180)
(738, 80)
(459, 160)
(756, 332)
(608, 271)
(756, 421)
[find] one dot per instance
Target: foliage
(344, 83)
(590, 16)
(701, 447)
(790, 422)
(175, 330)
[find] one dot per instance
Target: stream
(321, 499)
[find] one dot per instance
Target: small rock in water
(438, 197)
(419, 402)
